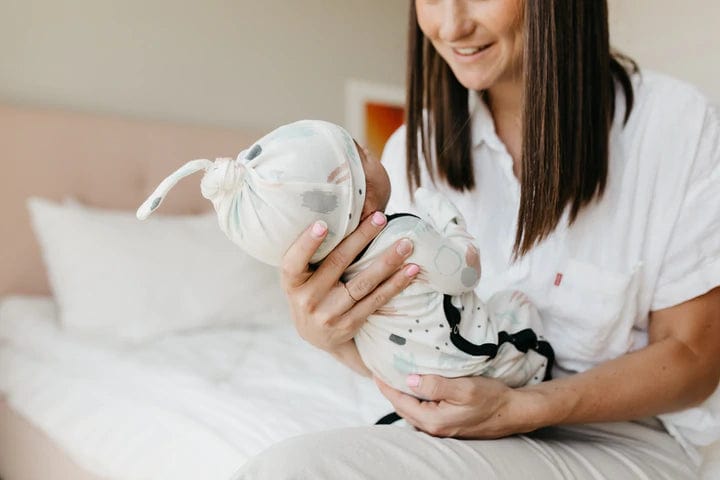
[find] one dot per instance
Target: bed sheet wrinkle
(191, 405)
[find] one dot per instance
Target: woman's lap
(627, 450)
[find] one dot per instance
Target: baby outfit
(311, 170)
(438, 325)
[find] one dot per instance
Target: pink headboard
(104, 161)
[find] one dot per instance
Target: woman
(592, 188)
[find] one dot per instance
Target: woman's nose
(455, 24)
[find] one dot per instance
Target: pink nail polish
(413, 380)
(319, 229)
(378, 219)
(412, 270)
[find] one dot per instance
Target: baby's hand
(437, 209)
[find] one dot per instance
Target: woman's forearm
(678, 369)
(348, 354)
(665, 376)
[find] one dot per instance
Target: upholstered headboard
(105, 161)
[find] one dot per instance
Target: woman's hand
(465, 407)
(678, 369)
(326, 312)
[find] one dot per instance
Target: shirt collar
(483, 125)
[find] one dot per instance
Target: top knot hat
(266, 197)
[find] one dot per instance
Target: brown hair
(570, 75)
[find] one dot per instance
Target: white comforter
(189, 406)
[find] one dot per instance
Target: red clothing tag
(558, 279)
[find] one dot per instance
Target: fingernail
(413, 380)
(319, 229)
(411, 270)
(378, 219)
(404, 247)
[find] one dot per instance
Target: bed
(110, 370)
(83, 398)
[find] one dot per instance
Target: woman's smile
(482, 42)
(471, 54)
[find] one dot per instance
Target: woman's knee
(347, 453)
(284, 460)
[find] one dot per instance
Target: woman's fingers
(346, 325)
(404, 404)
(326, 311)
(434, 387)
(375, 286)
(382, 293)
(295, 264)
(390, 261)
(413, 410)
(343, 255)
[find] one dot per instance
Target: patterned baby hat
(298, 173)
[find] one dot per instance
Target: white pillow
(115, 276)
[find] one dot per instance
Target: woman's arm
(678, 369)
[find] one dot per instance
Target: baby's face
(377, 183)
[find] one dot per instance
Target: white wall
(264, 62)
(225, 62)
(679, 38)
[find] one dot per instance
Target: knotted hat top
(266, 197)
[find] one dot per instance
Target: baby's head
(377, 182)
(298, 173)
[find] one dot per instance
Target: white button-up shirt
(651, 242)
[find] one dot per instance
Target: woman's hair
(570, 76)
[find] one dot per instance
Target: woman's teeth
(470, 50)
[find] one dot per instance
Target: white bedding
(187, 406)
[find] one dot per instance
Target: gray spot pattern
(155, 203)
(405, 365)
(447, 261)
(468, 276)
(320, 202)
(254, 152)
(397, 339)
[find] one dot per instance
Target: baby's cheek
(372, 203)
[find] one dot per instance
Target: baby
(314, 170)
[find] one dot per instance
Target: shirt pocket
(591, 314)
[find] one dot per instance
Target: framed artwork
(373, 112)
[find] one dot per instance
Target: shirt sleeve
(691, 265)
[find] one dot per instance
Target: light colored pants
(612, 451)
